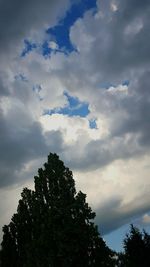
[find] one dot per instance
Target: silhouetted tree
(136, 249)
(53, 226)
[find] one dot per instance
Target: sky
(74, 79)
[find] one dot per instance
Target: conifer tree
(136, 249)
(53, 226)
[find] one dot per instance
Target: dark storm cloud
(19, 18)
(18, 148)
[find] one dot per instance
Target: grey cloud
(99, 153)
(54, 140)
(22, 145)
(4, 91)
(132, 8)
(130, 50)
(17, 148)
(119, 45)
(114, 213)
(137, 109)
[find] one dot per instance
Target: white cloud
(53, 45)
(113, 7)
(73, 128)
(120, 89)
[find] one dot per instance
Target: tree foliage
(53, 226)
(136, 249)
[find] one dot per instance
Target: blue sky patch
(46, 49)
(28, 47)
(107, 85)
(75, 107)
(60, 33)
(21, 77)
(37, 88)
(92, 124)
(126, 82)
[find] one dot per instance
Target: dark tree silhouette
(136, 249)
(53, 226)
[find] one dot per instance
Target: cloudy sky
(74, 79)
